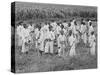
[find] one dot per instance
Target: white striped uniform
(72, 42)
(92, 44)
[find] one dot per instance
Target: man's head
(75, 23)
(87, 19)
(90, 23)
(50, 27)
(25, 25)
(70, 32)
(62, 26)
(83, 23)
(73, 19)
(69, 24)
(92, 33)
(58, 24)
(62, 32)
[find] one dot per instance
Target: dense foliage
(40, 13)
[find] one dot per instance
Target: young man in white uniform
(43, 33)
(53, 24)
(37, 35)
(19, 33)
(77, 32)
(84, 32)
(91, 29)
(58, 29)
(89, 22)
(92, 42)
(65, 24)
(72, 42)
(61, 43)
(73, 22)
(49, 41)
(25, 38)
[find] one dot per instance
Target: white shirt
(31, 28)
(58, 29)
(72, 23)
(45, 28)
(89, 22)
(65, 24)
(91, 39)
(42, 37)
(50, 35)
(77, 27)
(65, 31)
(61, 38)
(74, 29)
(37, 33)
(25, 33)
(19, 30)
(91, 29)
(83, 28)
(71, 40)
(54, 24)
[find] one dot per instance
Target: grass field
(32, 62)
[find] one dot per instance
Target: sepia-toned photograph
(53, 37)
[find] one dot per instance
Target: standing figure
(77, 31)
(72, 42)
(92, 43)
(84, 32)
(61, 43)
(37, 34)
(30, 27)
(58, 29)
(90, 28)
(69, 26)
(65, 24)
(19, 30)
(89, 22)
(25, 38)
(49, 41)
(42, 38)
(53, 24)
(73, 22)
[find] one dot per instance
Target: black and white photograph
(53, 37)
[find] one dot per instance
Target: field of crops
(35, 13)
(27, 11)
